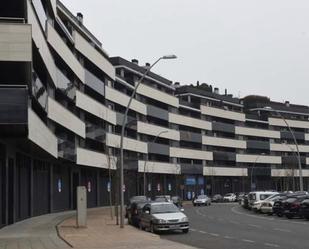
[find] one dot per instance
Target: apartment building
(62, 99)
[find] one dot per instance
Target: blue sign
(190, 180)
(189, 195)
(108, 186)
(200, 180)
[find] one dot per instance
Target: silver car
(202, 200)
(163, 216)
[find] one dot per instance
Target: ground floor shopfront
(32, 186)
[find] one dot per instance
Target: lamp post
(301, 184)
(253, 167)
(155, 138)
(122, 134)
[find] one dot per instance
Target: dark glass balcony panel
(66, 149)
(262, 145)
(287, 135)
(189, 104)
(65, 85)
(95, 132)
(39, 91)
(224, 156)
(13, 111)
(13, 105)
(156, 148)
(157, 112)
(292, 160)
(195, 169)
(191, 137)
(219, 126)
(259, 171)
(94, 83)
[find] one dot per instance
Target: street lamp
(301, 184)
(253, 167)
(155, 138)
(166, 57)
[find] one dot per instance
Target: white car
(202, 200)
(163, 216)
(256, 199)
(230, 197)
(267, 205)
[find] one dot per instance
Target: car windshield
(164, 208)
(202, 197)
(228, 195)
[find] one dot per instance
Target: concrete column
(81, 220)
(51, 189)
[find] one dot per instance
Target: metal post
(145, 183)
(124, 121)
(301, 184)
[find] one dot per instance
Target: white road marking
(192, 229)
(248, 241)
(282, 230)
(253, 225)
(214, 234)
(271, 245)
(229, 237)
(202, 232)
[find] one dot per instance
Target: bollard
(81, 214)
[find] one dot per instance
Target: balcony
(192, 169)
(15, 42)
(159, 167)
(260, 145)
(65, 85)
(94, 83)
(95, 132)
(66, 149)
(39, 91)
(157, 112)
(160, 149)
(223, 127)
(13, 110)
(191, 137)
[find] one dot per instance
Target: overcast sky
(247, 46)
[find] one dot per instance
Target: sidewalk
(101, 232)
(35, 233)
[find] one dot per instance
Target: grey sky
(247, 46)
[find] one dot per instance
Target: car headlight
(184, 219)
(160, 221)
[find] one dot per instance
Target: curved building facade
(62, 100)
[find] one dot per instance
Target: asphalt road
(229, 226)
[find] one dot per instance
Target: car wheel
(185, 230)
(289, 216)
(194, 205)
(307, 217)
(279, 214)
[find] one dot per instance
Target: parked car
(245, 202)
(163, 198)
(304, 208)
(291, 206)
(134, 199)
(217, 198)
(240, 196)
(135, 213)
(267, 204)
(177, 201)
(256, 207)
(258, 196)
(278, 207)
(163, 216)
(230, 197)
(202, 200)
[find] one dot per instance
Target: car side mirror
(147, 212)
(182, 210)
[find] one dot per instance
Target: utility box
(81, 215)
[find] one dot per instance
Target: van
(259, 196)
